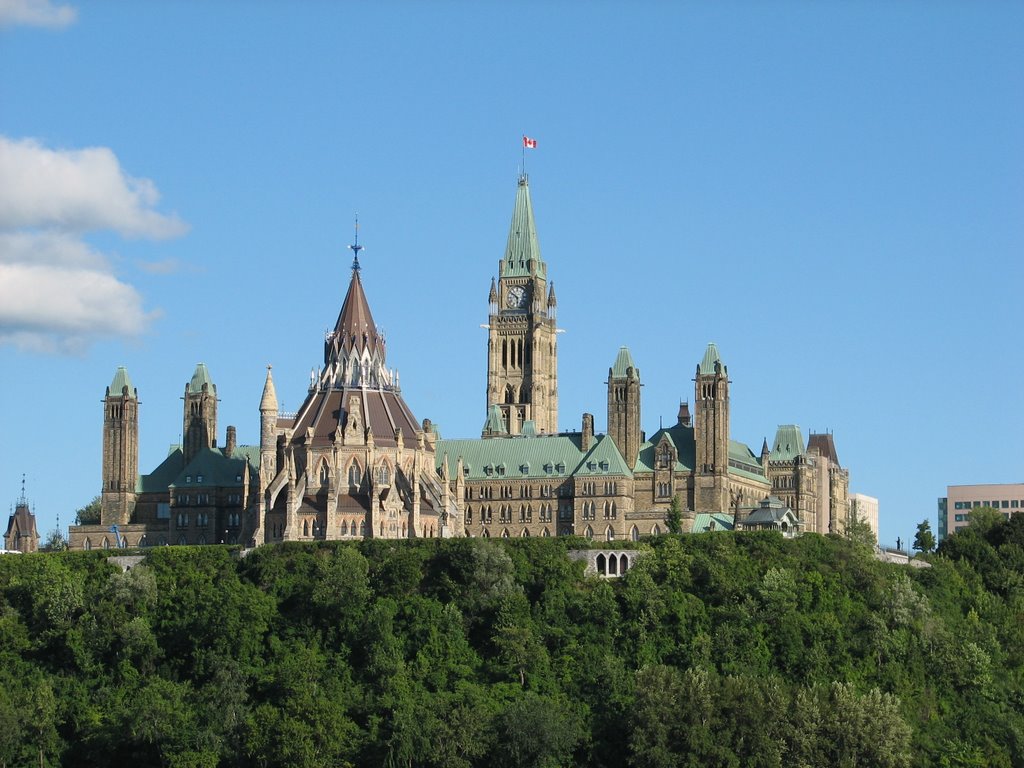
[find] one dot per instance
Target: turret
(624, 406)
(199, 427)
(120, 450)
(711, 433)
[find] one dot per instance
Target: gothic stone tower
(624, 406)
(711, 434)
(120, 450)
(522, 354)
(199, 429)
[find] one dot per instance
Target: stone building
(523, 478)
(353, 461)
(21, 534)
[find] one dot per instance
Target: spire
(522, 253)
(121, 380)
(623, 362)
(355, 329)
(269, 400)
(492, 297)
(552, 301)
(711, 356)
(200, 377)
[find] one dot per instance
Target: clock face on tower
(516, 298)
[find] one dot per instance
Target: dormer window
(560, 468)
(199, 478)
(604, 466)
(188, 478)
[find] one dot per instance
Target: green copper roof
(216, 469)
(744, 463)
(494, 425)
(686, 449)
(623, 362)
(705, 522)
(711, 356)
(522, 244)
(121, 380)
(200, 377)
(789, 443)
(555, 456)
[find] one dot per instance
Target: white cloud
(76, 190)
(58, 294)
(35, 13)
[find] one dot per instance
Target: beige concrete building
(864, 507)
(955, 507)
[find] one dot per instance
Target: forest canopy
(715, 649)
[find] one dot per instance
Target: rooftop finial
(356, 248)
(21, 501)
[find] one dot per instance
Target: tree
(924, 541)
(55, 541)
(674, 518)
(89, 514)
(860, 531)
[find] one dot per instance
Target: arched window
(504, 533)
(588, 532)
(655, 530)
(486, 534)
(615, 511)
(202, 538)
(623, 563)
(469, 515)
(546, 533)
(181, 540)
(613, 565)
(362, 528)
(634, 534)
(601, 564)
(305, 527)
(105, 544)
(609, 534)
(88, 544)
(355, 476)
(143, 541)
(384, 474)
(525, 534)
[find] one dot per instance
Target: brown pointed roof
(355, 329)
(825, 444)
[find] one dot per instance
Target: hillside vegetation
(715, 650)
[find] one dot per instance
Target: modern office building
(955, 507)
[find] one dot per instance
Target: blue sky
(833, 193)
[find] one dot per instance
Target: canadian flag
(529, 143)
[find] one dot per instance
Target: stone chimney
(588, 431)
(231, 442)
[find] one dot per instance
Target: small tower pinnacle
(356, 248)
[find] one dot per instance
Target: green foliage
(89, 514)
(723, 650)
(674, 517)
(860, 532)
(924, 541)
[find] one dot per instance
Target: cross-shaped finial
(356, 247)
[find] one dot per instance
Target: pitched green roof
(211, 464)
(702, 522)
(623, 362)
(711, 356)
(200, 377)
(121, 380)
(522, 244)
(749, 464)
(495, 425)
(555, 456)
(789, 443)
(686, 449)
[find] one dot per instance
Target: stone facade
(353, 461)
